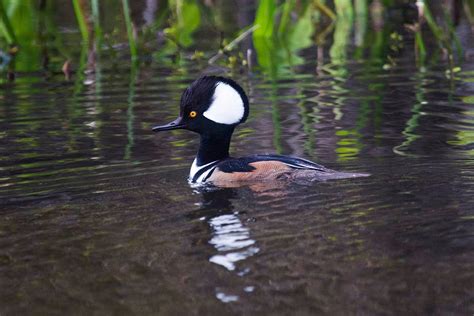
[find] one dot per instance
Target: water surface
(97, 215)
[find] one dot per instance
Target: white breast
(195, 169)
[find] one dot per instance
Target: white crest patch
(227, 106)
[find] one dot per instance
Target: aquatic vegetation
(81, 21)
(5, 26)
(281, 30)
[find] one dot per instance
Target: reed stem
(128, 22)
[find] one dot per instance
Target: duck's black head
(210, 104)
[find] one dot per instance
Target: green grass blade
(265, 18)
(81, 20)
(285, 20)
(96, 19)
(128, 22)
(6, 27)
(325, 9)
(437, 31)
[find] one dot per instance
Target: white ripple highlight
(232, 239)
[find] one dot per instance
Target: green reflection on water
(409, 132)
(308, 119)
(277, 141)
(465, 137)
(130, 114)
(468, 99)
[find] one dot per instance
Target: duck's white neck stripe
(195, 169)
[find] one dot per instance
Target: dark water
(97, 216)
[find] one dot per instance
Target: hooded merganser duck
(212, 107)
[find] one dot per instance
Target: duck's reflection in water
(230, 237)
(232, 241)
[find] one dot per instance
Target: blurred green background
(267, 35)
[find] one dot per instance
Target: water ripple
(232, 240)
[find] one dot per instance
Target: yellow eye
(192, 114)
